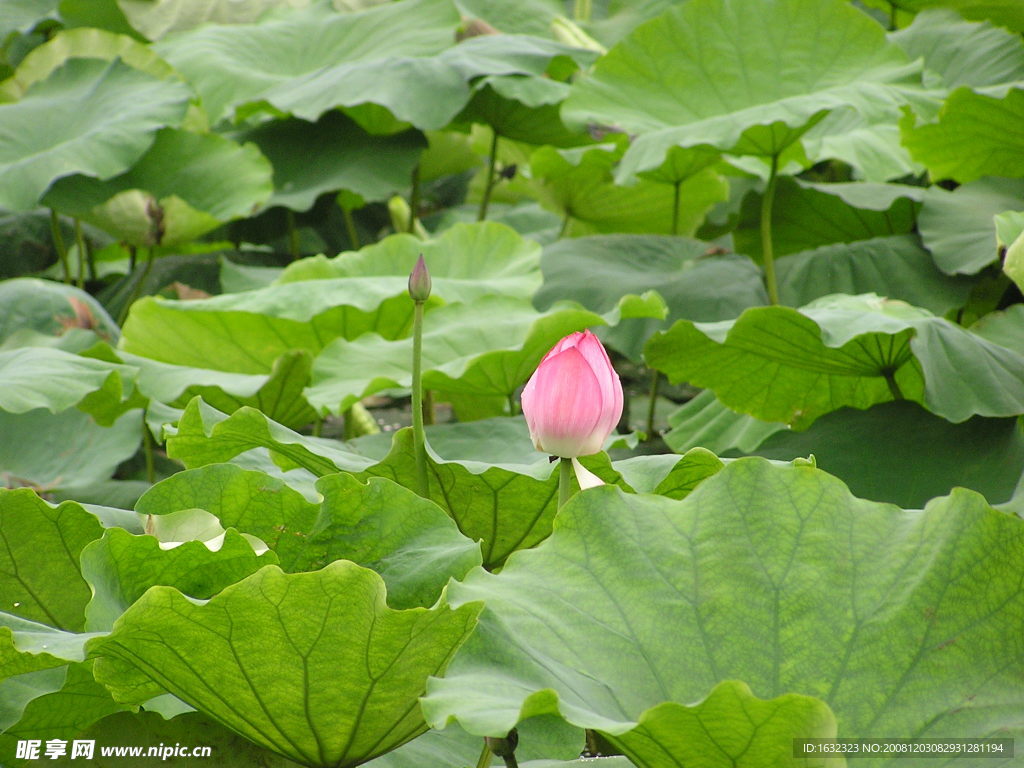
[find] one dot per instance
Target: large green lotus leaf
(466, 262)
(579, 185)
(23, 15)
(63, 707)
(1013, 264)
(900, 621)
(694, 280)
(1005, 13)
(334, 153)
(28, 646)
(895, 266)
(522, 108)
(511, 506)
(39, 572)
(870, 144)
(85, 43)
(962, 53)
(957, 226)
(318, 299)
(505, 507)
(781, 364)
(488, 347)
(498, 440)
(544, 742)
(45, 377)
(157, 18)
(666, 474)
(203, 173)
(51, 308)
(976, 134)
(61, 452)
(313, 666)
(17, 693)
(204, 435)
(101, 14)
(411, 542)
(705, 422)
(427, 92)
(901, 453)
(748, 79)
(731, 728)
(89, 117)
(247, 332)
(1009, 227)
(286, 57)
(145, 729)
(278, 395)
(807, 216)
(120, 567)
(1005, 327)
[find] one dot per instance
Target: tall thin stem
(84, 248)
(564, 481)
(80, 247)
(485, 757)
(414, 199)
(350, 227)
(566, 222)
(655, 383)
(148, 448)
(137, 289)
(770, 282)
(675, 207)
(894, 388)
(293, 234)
(581, 10)
(58, 244)
(492, 161)
(429, 414)
(419, 436)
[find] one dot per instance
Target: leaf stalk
(564, 481)
(770, 281)
(492, 161)
(58, 244)
(419, 436)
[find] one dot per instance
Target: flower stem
(147, 446)
(675, 207)
(564, 481)
(414, 199)
(429, 415)
(137, 288)
(566, 222)
(655, 382)
(770, 283)
(350, 228)
(58, 244)
(83, 253)
(485, 757)
(894, 388)
(293, 235)
(492, 160)
(419, 437)
(581, 10)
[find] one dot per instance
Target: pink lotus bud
(574, 399)
(419, 281)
